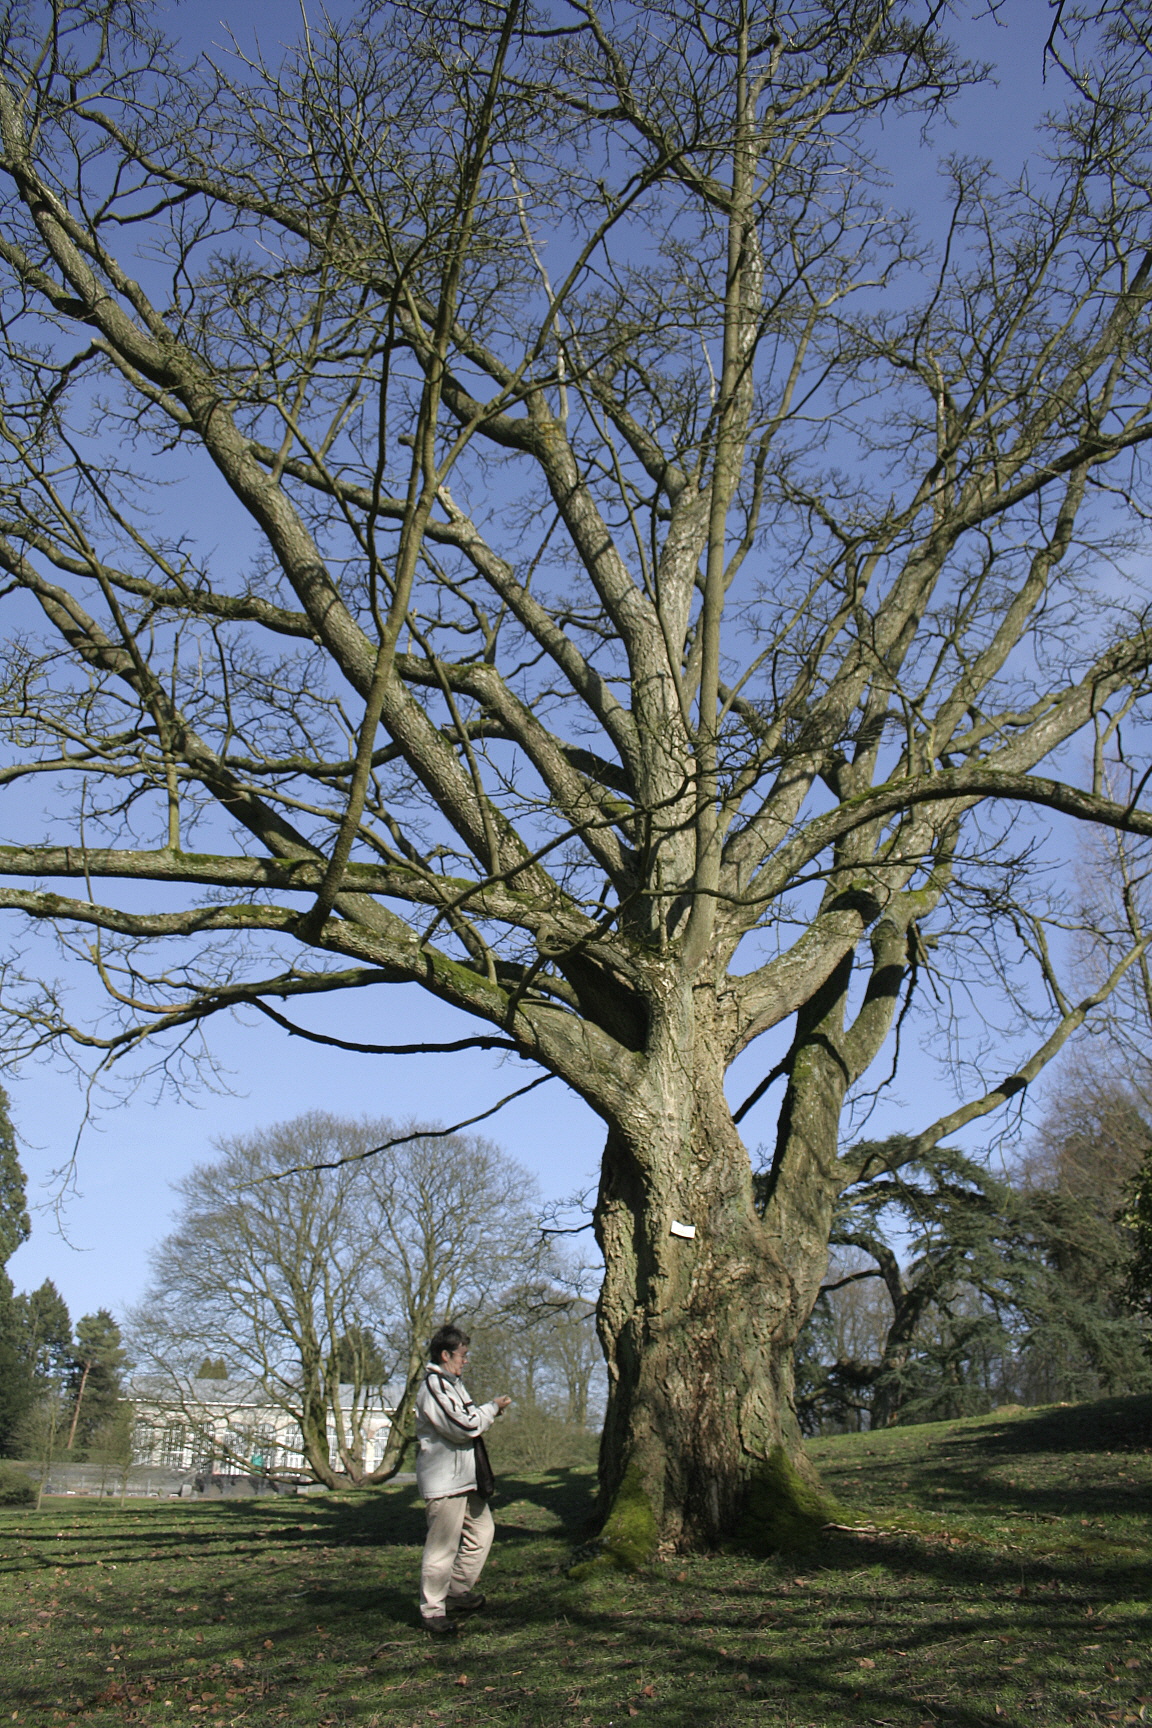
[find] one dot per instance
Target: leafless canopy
(507, 487)
(301, 1262)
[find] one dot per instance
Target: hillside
(992, 1573)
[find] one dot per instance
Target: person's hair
(446, 1342)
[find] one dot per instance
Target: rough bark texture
(698, 1333)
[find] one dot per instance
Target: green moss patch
(628, 1540)
(782, 1510)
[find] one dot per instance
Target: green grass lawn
(1006, 1577)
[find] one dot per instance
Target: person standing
(460, 1524)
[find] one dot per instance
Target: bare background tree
(664, 574)
(540, 1346)
(310, 1266)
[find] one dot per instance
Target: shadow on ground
(303, 1612)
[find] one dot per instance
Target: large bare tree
(298, 1256)
(663, 576)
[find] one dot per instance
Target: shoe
(439, 1625)
(466, 1604)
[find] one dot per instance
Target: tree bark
(698, 1331)
(79, 1401)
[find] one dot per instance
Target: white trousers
(460, 1532)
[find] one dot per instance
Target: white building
(233, 1426)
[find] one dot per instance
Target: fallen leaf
(462, 1680)
(267, 1643)
(865, 1662)
(681, 1577)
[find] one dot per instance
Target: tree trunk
(701, 1437)
(402, 1433)
(79, 1401)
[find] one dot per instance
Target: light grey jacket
(447, 1424)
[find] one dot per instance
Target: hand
(502, 1403)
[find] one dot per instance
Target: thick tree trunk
(699, 1330)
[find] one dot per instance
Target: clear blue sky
(120, 1200)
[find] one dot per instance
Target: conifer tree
(15, 1227)
(46, 1334)
(94, 1378)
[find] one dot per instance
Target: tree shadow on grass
(1106, 1425)
(715, 1666)
(1025, 1467)
(720, 1650)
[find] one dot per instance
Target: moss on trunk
(783, 1508)
(629, 1536)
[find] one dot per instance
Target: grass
(1005, 1578)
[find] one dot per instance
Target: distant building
(233, 1425)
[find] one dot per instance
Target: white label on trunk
(687, 1230)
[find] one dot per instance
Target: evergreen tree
(212, 1368)
(944, 1325)
(15, 1378)
(39, 1337)
(1082, 1339)
(15, 1226)
(16, 1389)
(94, 1378)
(1020, 1293)
(1137, 1217)
(45, 1332)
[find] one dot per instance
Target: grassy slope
(1007, 1581)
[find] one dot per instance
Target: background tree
(312, 1258)
(212, 1368)
(40, 1432)
(94, 1380)
(538, 1343)
(573, 1354)
(1075, 1178)
(993, 1291)
(1138, 1217)
(15, 1227)
(46, 1328)
(45, 1340)
(111, 1444)
(15, 1224)
(671, 573)
(1085, 1169)
(934, 1236)
(360, 1360)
